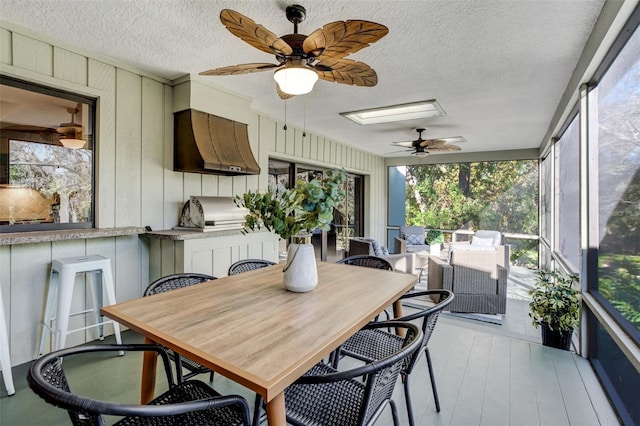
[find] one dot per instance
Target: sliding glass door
(348, 220)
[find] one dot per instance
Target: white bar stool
(61, 283)
(5, 360)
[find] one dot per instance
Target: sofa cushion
(378, 249)
(478, 241)
(495, 235)
(413, 239)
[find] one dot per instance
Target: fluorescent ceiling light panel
(411, 111)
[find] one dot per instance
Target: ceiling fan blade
(339, 39)
(283, 95)
(254, 34)
(240, 69)
(347, 71)
(407, 144)
(432, 143)
(444, 148)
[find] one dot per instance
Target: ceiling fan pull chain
(285, 115)
(304, 118)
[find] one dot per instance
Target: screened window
(568, 195)
(545, 198)
(46, 158)
(619, 183)
(497, 195)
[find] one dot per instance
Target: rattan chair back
(367, 261)
(247, 265)
(357, 396)
(192, 402)
(175, 281)
(441, 298)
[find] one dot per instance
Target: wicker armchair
(247, 265)
(371, 343)
(477, 279)
(173, 282)
(189, 403)
(411, 240)
(326, 396)
(401, 262)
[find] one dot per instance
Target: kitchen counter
(66, 234)
(185, 234)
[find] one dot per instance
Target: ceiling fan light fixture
(72, 143)
(72, 129)
(296, 78)
(420, 153)
(410, 111)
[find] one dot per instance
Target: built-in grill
(211, 214)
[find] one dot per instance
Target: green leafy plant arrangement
(434, 236)
(307, 206)
(554, 301)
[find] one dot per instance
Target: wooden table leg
(149, 366)
(397, 313)
(276, 412)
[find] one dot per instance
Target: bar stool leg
(96, 292)
(5, 359)
(65, 294)
(47, 328)
(107, 283)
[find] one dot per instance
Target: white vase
(434, 249)
(300, 272)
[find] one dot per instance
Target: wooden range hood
(205, 143)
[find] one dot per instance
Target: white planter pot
(300, 272)
(434, 249)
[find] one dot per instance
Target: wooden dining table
(248, 328)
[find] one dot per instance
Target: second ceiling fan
(302, 60)
(422, 147)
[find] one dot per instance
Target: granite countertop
(66, 234)
(184, 234)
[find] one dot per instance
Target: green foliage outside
(500, 195)
(434, 236)
(287, 212)
(56, 172)
(619, 282)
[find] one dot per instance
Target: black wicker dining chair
(367, 261)
(247, 265)
(173, 282)
(326, 396)
(191, 402)
(369, 344)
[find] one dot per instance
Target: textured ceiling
(498, 68)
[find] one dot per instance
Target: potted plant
(435, 239)
(296, 213)
(555, 306)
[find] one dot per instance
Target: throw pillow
(379, 250)
(485, 242)
(413, 239)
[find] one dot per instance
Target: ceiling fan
(423, 147)
(71, 132)
(302, 60)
